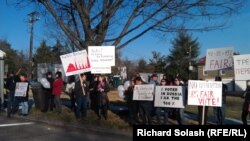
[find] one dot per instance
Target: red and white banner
(75, 63)
(205, 93)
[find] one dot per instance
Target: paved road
(14, 129)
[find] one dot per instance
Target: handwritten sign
(102, 55)
(75, 63)
(219, 58)
(21, 89)
(143, 92)
(169, 96)
(101, 69)
(242, 67)
(205, 93)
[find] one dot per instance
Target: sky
(14, 28)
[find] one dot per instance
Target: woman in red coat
(57, 91)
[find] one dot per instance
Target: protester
(70, 90)
(57, 91)
(162, 111)
(180, 111)
(24, 99)
(102, 89)
(246, 104)
(82, 96)
(219, 112)
(132, 104)
(11, 85)
(48, 96)
(145, 107)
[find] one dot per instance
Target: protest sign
(143, 92)
(205, 93)
(219, 58)
(242, 67)
(169, 96)
(75, 63)
(101, 69)
(101, 55)
(21, 89)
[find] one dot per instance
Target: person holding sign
(132, 104)
(246, 104)
(162, 110)
(24, 99)
(82, 96)
(180, 111)
(219, 112)
(145, 106)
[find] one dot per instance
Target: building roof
(202, 61)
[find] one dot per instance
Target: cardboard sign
(75, 63)
(143, 92)
(242, 67)
(205, 93)
(101, 55)
(169, 96)
(219, 58)
(101, 69)
(21, 89)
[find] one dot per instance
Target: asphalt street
(15, 129)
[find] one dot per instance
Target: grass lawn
(116, 121)
(233, 107)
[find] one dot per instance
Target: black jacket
(79, 89)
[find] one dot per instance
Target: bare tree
(119, 22)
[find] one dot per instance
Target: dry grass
(114, 121)
(233, 107)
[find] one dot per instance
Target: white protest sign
(143, 92)
(219, 58)
(75, 63)
(169, 96)
(242, 67)
(21, 89)
(101, 69)
(101, 55)
(205, 93)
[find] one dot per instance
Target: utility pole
(190, 67)
(33, 18)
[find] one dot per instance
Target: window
(222, 72)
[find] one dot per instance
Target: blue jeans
(82, 106)
(25, 107)
(162, 112)
(180, 116)
(219, 113)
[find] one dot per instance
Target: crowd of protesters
(93, 94)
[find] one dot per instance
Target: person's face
(83, 77)
(49, 76)
(138, 82)
(177, 82)
(100, 78)
(22, 78)
(155, 78)
(163, 82)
